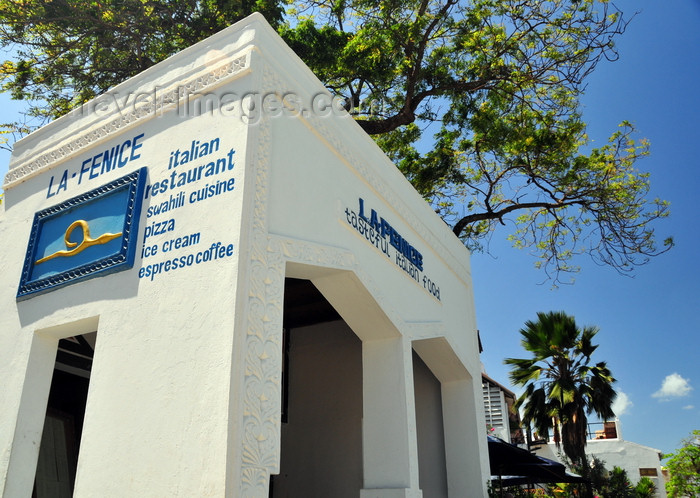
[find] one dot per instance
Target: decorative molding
(301, 251)
(170, 98)
(262, 409)
(263, 368)
(262, 395)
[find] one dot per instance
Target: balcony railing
(603, 430)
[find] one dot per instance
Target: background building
(502, 420)
(606, 443)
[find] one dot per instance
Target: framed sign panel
(90, 235)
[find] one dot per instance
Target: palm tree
(561, 385)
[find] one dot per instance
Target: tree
(684, 468)
(598, 475)
(614, 483)
(595, 472)
(476, 101)
(619, 484)
(562, 386)
(66, 52)
(645, 488)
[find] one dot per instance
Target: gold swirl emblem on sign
(74, 248)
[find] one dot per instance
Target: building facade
(608, 445)
(215, 284)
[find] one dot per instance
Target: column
(465, 439)
(390, 448)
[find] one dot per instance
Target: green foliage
(684, 468)
(605, 483)
(495, 491)
(476, 101)
(619, 484)
(497, 84)
(562, 385)
(68, 51)
(645, 488)
(613, 484)
(598, 475)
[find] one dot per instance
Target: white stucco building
(218, 285)
(636, 459)
(608, 445)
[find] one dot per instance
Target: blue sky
(649, 324)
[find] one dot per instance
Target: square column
(466, 448)
(18, 467)
(390, 448)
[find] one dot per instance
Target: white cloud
(673, 386)
(621, 404)
(688, 407)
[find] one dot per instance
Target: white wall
(629, 456)
(184, 398)
(619, 453)
(322, 438)
(431, 432)
(158, 410)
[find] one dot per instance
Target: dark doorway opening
(321, 452)
(65, 412)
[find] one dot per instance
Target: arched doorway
(321, 432)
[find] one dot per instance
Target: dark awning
(514, 465)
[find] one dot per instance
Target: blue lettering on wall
(382, 235)
(184, 176)
(217, 250)
(186, 165)
(395, 239)
(197, 149)
(92, 167)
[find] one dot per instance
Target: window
(648, 472)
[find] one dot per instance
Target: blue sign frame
(91, 235)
